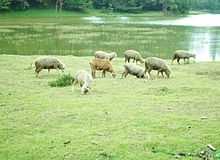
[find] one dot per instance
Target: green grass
(122, 117)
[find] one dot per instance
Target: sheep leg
(162, 74)
(129, 60)
(184, 60)
(74, 83)
(103, 74)
(126, 74)
(172, 61)
(48, 71)
(93, 74)
(37, 72)
(158, 73)
(178, 61)
(133, 60)
(125, 60)
(148, 71)
(83, 90)
(123, 74)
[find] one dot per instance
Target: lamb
(153, 63)
(131, 54)
(181, 54)
(46, 62)
(101, 64)
(105, 55)
(84, 79)
(133, 69)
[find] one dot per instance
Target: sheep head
(113, 74)
(62, 67)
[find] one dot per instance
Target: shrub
(65, 80)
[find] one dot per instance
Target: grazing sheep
(153, 63)
(101, 64)
(45, 62)
(133, 69)
(105, 55)
(180, 54)
(84, 79)
(131, 54)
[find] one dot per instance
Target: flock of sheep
(102, 61)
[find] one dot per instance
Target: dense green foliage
(133, 6)
(205, 4)
(65, 80)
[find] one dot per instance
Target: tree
(166, 5)
(61, 4)
(77, 4)
(100, 4)
(132, 6)
(205, 4)
(179, 7)
(5, 5)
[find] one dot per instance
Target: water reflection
(201, 20)
(205, 45)
(94, 19)
(204, 39)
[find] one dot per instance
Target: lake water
(82, 36)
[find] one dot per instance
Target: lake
(82, 36)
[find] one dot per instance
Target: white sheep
(84, 79)
(153, 63)
(133, 69)
(181, 54)
(131, 54)
(46, 62)
(105, 55)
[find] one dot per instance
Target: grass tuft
(65, 80)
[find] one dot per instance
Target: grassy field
(126, 118)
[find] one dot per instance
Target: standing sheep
(180, 54)
(133, 69)
(45, 62)
(105, 55)
(131, 54)
(84, 79)
(153, 63)
(101, 64)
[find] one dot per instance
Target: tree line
(132, 6)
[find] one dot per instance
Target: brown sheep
(101, 64)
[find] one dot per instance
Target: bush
(65, 80)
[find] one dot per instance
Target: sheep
(101, 64)
(133, 69)
(131, 54)
(46, 62)
(153, 63)
(180, 54)
(84, 79)
(105, 55)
